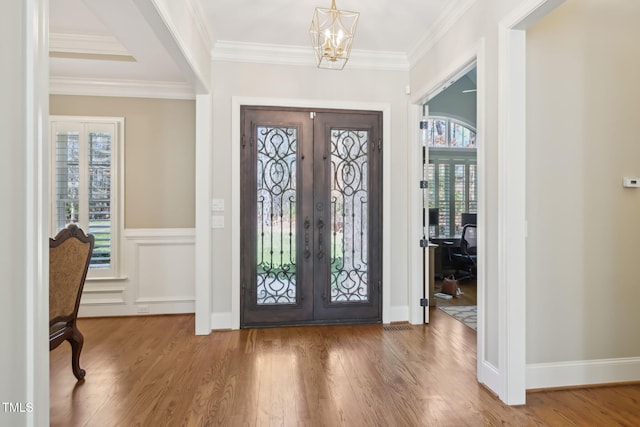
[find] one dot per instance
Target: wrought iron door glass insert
(349, 198)
(276, 220)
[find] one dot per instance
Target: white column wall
(24, 355)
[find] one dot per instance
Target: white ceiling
(384, 25)
(116, 33)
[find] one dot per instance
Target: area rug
(467, 314)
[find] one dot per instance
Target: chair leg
(76, 340)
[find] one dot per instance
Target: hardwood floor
(469, 293)
(153, 371)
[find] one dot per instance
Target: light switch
(217, 205)
(217, 221)
(631, 182)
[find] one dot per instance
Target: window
(451, 172)
(86, 184)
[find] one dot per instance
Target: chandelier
(332, 33)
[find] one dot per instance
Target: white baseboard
(221, 321)
(489, 375)
(398, 313)
(109, 309)
(582, 372)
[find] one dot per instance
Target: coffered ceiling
(112, 41)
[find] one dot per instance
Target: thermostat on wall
(631, 182)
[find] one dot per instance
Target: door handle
(320, 239)
(307, 225)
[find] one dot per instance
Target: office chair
(468, 218)
(464, 260)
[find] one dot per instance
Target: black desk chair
(463, 259)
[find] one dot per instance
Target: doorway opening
(448, 138)
(450, 199)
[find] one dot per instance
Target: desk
(442, 262)
(432, 269)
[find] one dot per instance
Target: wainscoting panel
(158, 276)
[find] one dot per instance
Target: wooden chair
(69, 258)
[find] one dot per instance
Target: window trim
(449, 122)
(118, 194)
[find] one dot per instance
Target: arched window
(452, 174)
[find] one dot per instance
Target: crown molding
(262, 53)
(119, 88)
(86, 44)
(452, 13)
(360, 59)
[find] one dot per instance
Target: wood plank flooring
(469, 294)
(153, 371)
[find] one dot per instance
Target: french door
(311, 216)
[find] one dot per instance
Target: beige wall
(582, 95)
(582, 250)
(159, 155)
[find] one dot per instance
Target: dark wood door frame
(311, 216)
